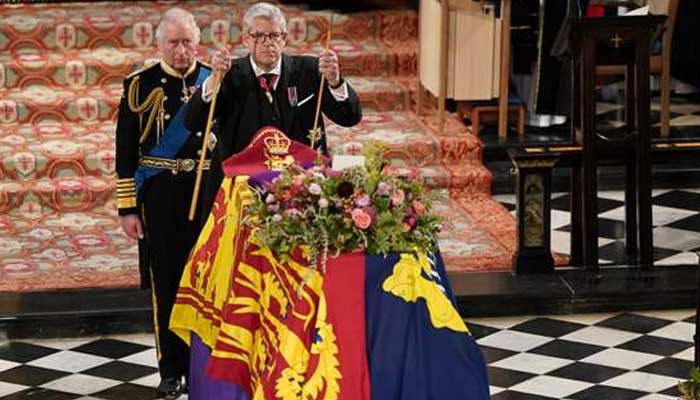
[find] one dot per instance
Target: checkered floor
(685, 117)
(675, 214)
(596, 356)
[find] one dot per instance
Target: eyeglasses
(272, 36)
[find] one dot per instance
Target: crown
(277, 145)
(277, 150)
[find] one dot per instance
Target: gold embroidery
(408, 283)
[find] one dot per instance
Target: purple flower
(273, 207)
(314, 188)
(383, 189)
(362, 201)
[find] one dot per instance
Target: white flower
(323, 202)
(314, 188)
(277, 218)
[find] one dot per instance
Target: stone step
(132, 25)
(478, 233)
(53, 150)
(107, 65)
(65, 250)
(46, 249)
(409, 137)
(65, 194)
(39, 103)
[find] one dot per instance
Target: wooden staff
(314, 131)
(205, 143)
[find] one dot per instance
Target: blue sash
(172, 140)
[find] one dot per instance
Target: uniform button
(199, 134)
(163, 80)
(167, 116)
(165, 98)
(199, 152)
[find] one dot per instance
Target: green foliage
(370, 207)
(690, 390)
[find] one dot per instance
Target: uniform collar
(175, 73)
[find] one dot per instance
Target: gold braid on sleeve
(153, 104)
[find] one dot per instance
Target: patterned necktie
(267, 81)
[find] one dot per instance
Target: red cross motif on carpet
(87, 108)
(142, 34)
(25, 164)
(296, 28)
(8, 111)
(65, 36)
(219, 32)
(108, 161)
(75, 73)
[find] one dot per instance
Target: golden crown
(277, 145)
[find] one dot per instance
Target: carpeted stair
(61, 67)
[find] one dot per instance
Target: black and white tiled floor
(112, 368)
(641, 355)
(675, 214)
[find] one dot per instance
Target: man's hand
(131, 225)
(329, 67)
(221, 62)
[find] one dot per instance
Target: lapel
(250, 116)
(288, 79)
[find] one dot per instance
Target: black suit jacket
(237, 113)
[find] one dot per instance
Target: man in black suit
(269, 88)
(155, 164)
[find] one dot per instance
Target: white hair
(264, 10)
(177, 15)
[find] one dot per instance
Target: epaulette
(205, 65)
(148, 64)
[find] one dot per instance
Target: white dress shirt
(339, 94)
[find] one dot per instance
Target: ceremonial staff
(205, 142)
(314, 134)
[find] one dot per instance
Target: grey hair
(175, 15)
(264, 10)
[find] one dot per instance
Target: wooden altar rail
(539, 161)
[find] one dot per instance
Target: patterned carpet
(61, 66)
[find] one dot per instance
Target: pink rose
(397, 197)
(362, 201)
(361, 219)
(418, 207)
(383, 188)
(388, 171)
(298, 180)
